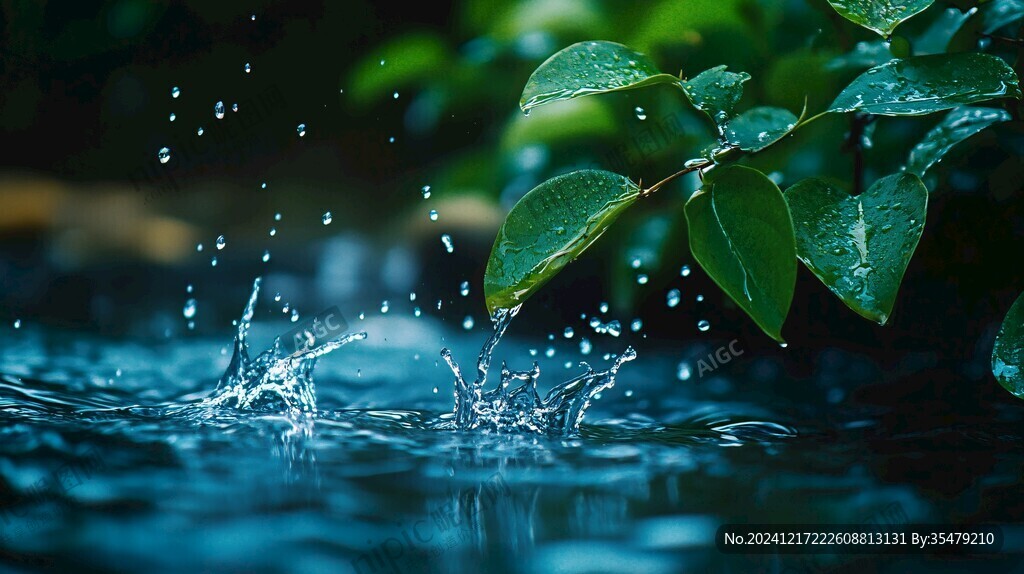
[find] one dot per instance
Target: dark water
(109, 464)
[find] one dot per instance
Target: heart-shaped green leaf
(881, 16)
(549, 227)
(716, 92)
(957, 126)
(742, 235)
(926, 84)
(758, 128)
(1008, 353)
(588, 68)
(859, 247)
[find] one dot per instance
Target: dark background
(97, 235)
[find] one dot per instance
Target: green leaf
(863, 55)
(1008, 353)
(588, 68)
(716, 92)
(742, 235)
(957, 126)
(549, 227)
(937, 36)
(881, 16)
(859, 247)
(926, 84)
(999, 13)
(758, 128)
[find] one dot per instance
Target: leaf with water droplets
(549, 227)
(1008, 353)
(859, 247)
(716, 92)
(588, 68)
(926, 84)
(957, 126)
(881, 16)
(742, 235)
(758, 128)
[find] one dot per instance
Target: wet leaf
(1008, 353)
(863, 55)
(957, 126)
(758, 128)
(926, 84)
(859, 247)
(999, 13)
(716, 92)
(588, 68)
(881, 16)
(549, 227)
(742, 235)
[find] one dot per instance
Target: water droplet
(447, 241)
(221, 242)
(382, 62)
(585, 346)
(416, 311)
(412, 295)
(783, 345)
(277, 217)
(700, 298)
(635, 263)
(199, 246)
(549, 352)
(703, 325)
(435, 390)
(464, 288)
(672, 298)
(213, 261)
(172, 117)
(685, 271)
(301, 130)
(164, 155)
(266, 255)
(614, 328)
(218, 110)
(199, 131)
(253, 17)
(636, 325)
(433, 215)
(384, 306)
(234, 107)
(327, 218)
(683, 371)
(395, 95)
(642, 279)
(17, 323)
(175, 92)
(603, 307)
(248, 68)
(189, 311)
(426, 191)
(568, 333)
(467, 323)
(640, 113)
(263, 185)
(188, 288)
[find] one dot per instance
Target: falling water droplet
(175, 92)
(384, 306)
(301, 130)
(433, 215)
(642, 279)
(703, 325)
(199, 131)
(636, 325)
(640, 113)
(248, 68)
(585, 346)
(568, 333)
(467, 323)
(234, 107)
(683, 371)
(218, 110)
(700, 298)
(213, 261)
(172, 117)
(614, 328)
(435, 390)
(263, 185)
(17, 323)
(295, 315)
(549, 352)
(164, 155)
(416, 311)
(327, 218)
(603, 307)
(672, 298)
(426, 191)
(447, 241)
(189, 311)
(188, 288)
(277, 217)
(395, 95)
(464, 288)
(199, 246)
(266, 255)
(221, 242)
(685, 271)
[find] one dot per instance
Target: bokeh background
(97, 235)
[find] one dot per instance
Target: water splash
(521, 409)
(274, 380)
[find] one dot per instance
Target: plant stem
(689, 169)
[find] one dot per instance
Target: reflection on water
(99, 471)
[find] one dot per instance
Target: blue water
(110, 461)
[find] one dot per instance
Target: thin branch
(688, 169)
